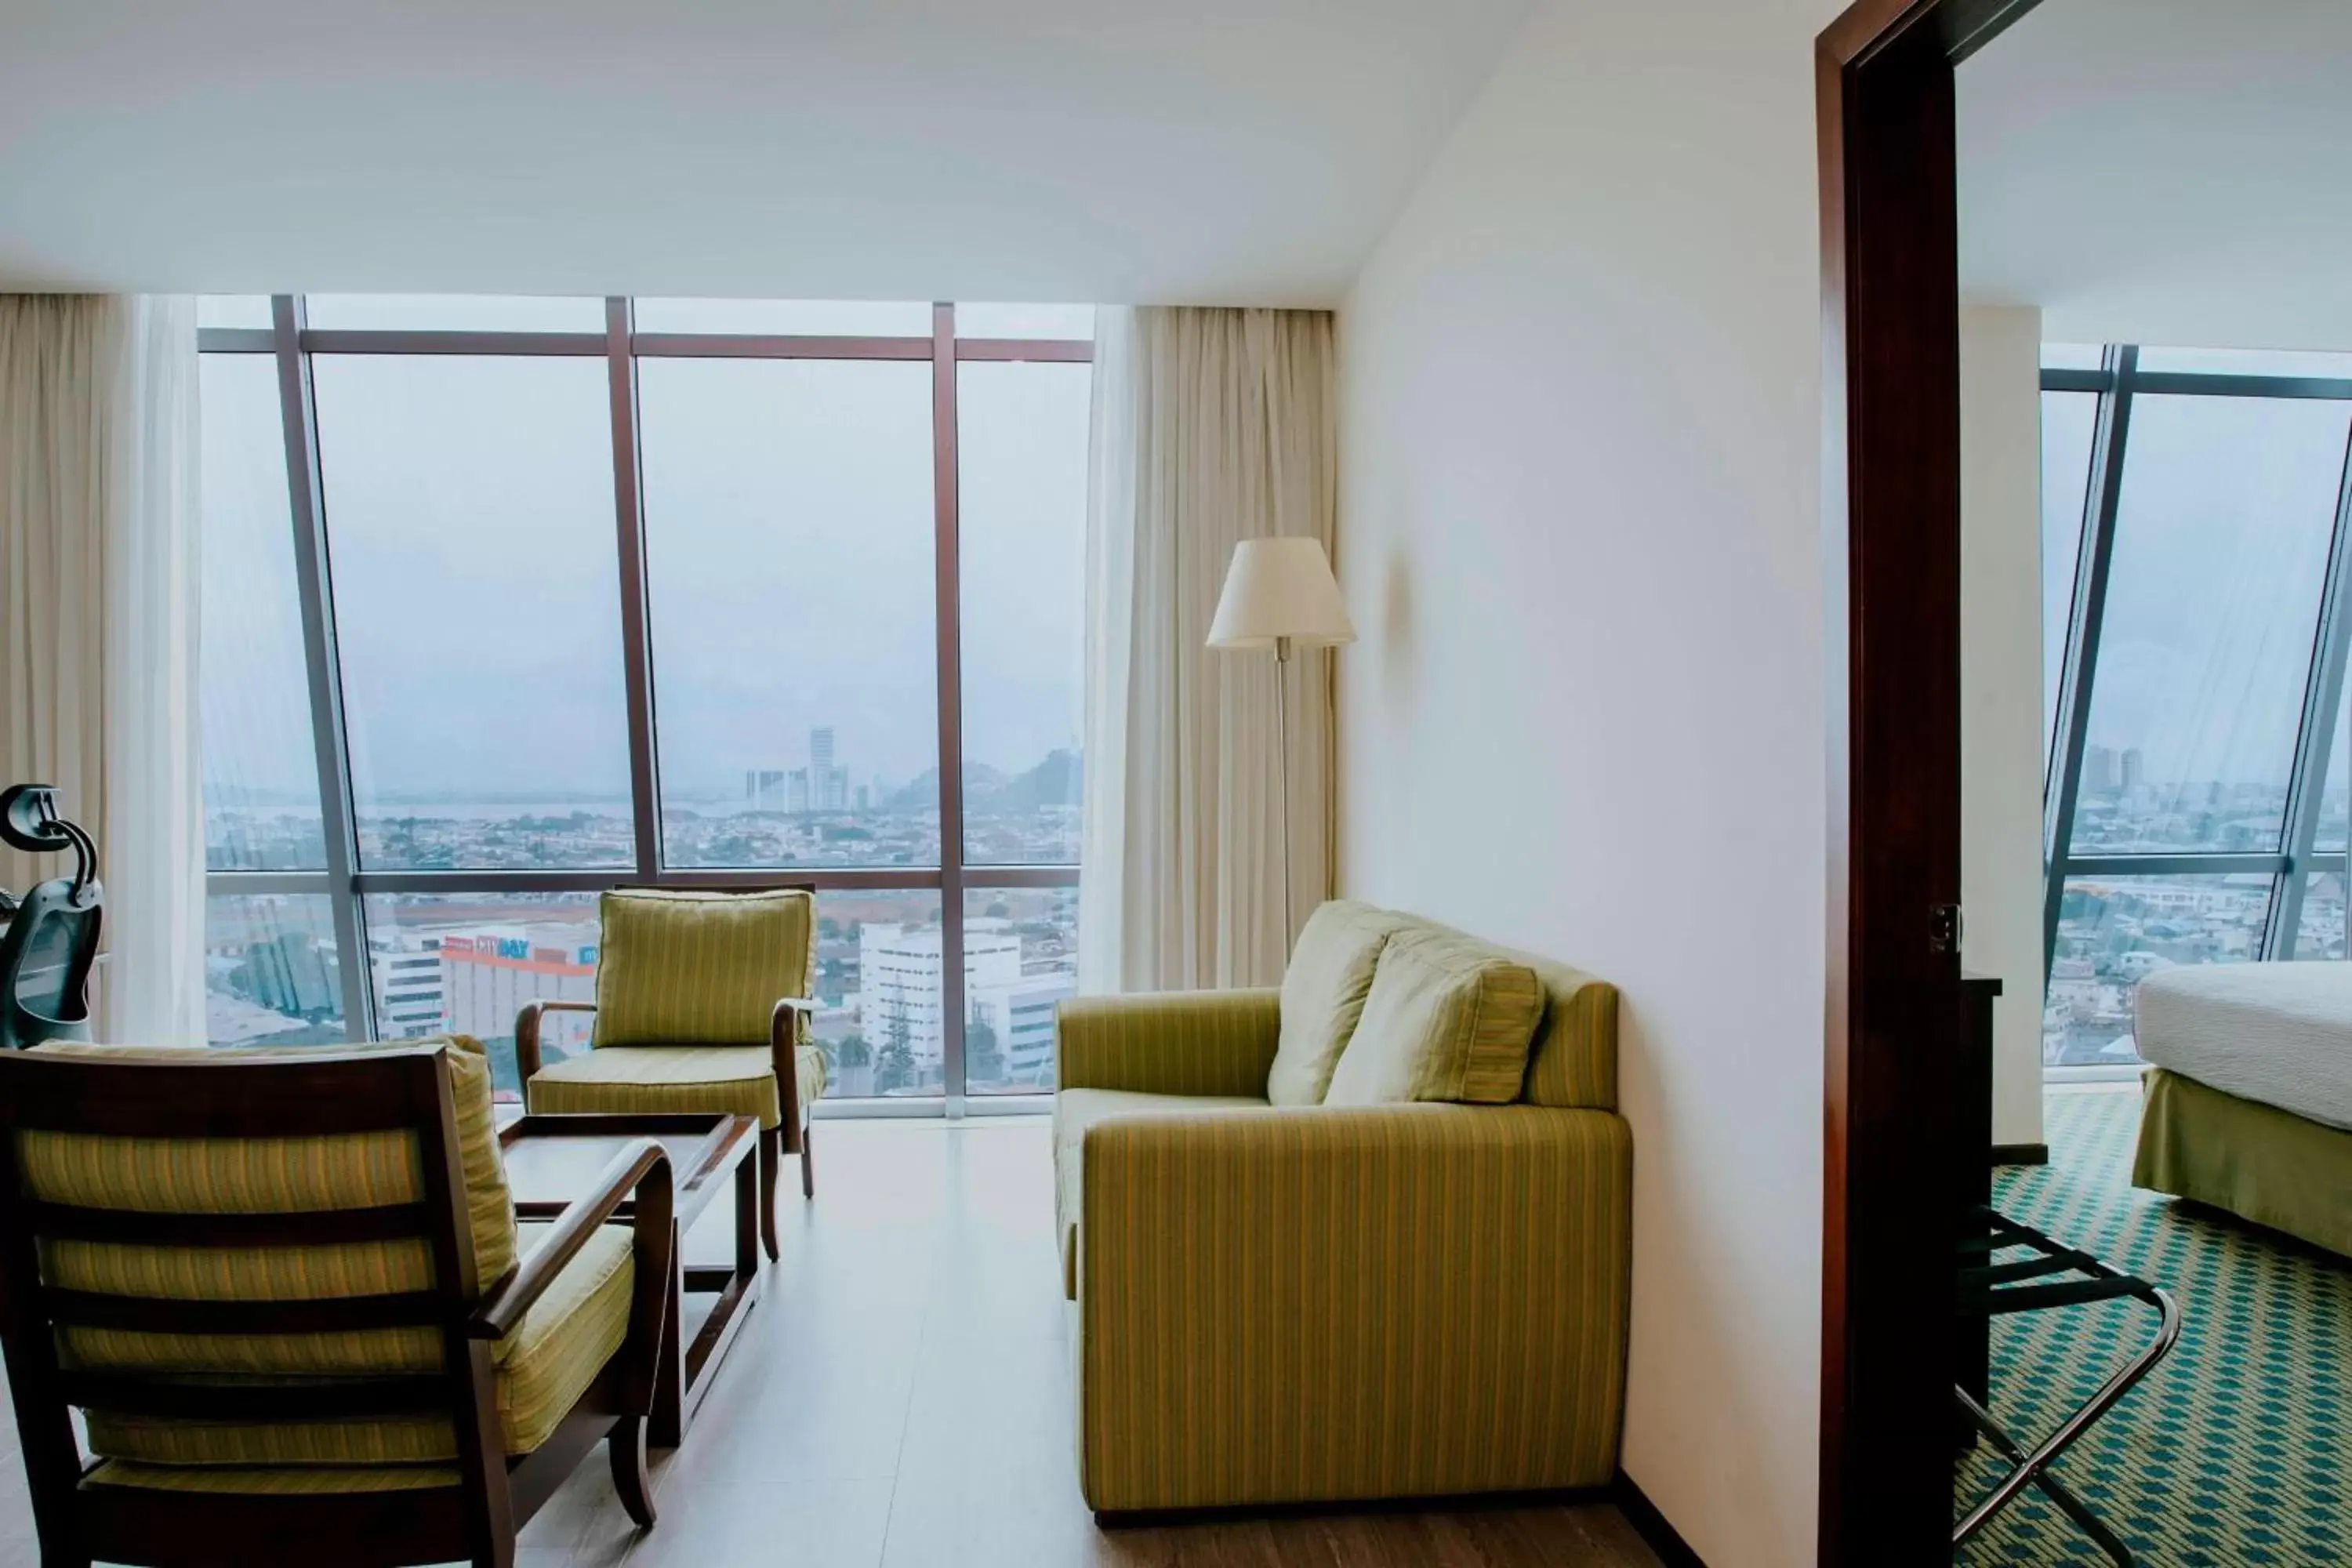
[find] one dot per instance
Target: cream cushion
(1323, 993)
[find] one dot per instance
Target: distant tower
(2099, 771)
(821, 749)
(2131, 768)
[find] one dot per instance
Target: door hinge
(1944, 928)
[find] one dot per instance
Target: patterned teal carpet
(2236, 1449)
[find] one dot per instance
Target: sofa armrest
(1170, 1042)
(1329, 1304)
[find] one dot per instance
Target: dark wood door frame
(1891, 502)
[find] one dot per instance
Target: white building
(411, 998)
(900, 986)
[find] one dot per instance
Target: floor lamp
(1280, 594)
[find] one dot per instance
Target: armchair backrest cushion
(1323, 993)
(700, 969)
(198, 1175)
(1447, 1018)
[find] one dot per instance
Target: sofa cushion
(1447, 1018)
(1074, 1110)
(1323, 993)
(627, 1079)
(701, 969)
(543, 1369)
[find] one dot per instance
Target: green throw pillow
(1446, 1019)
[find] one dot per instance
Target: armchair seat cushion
(543, 1368)
(1074, 1110)
(738, 1079)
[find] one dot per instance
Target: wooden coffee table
(550, 1160)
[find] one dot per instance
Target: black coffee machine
(50, 938)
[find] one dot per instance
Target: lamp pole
(1281, 770)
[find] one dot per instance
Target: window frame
(291, 342)
(2116, 381)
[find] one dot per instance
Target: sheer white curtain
(1211, 427)
(99, 497)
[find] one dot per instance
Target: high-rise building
(796, 791)
(2099, 770)
(828, 784)
(764, 789)
(2131, 768)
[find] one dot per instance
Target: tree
(983, 1061)
(894, 1065)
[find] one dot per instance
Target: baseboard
(1652, 1526)
(1449, 1502)
(2021, 1153)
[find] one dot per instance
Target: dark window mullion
(948, 577)
(2102, 494)
(2316, 735)
(314, 581)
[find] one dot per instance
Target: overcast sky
(789, 516)
(2213, 594)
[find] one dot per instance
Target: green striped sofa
(1279, 1298)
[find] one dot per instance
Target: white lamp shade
(1280, 588)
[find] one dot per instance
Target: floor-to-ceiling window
(510, 600)
(2198, 566)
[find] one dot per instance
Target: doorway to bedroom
(2156, 355)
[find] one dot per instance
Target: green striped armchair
(703, 1003)
(1285, 1299)
(287, 1292)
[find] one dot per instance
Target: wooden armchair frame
(309, 1094)
(790, 1136)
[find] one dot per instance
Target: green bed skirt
(2259, 1163)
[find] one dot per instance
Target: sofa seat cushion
(1447, 1018)
(543, 1368)
(692, 968)
(1323, 993)
(739, 1080)
(1074, 1110)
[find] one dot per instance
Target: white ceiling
(1163, 151)
(2165, 170)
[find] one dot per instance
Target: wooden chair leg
(626, 1449)
(808, 1163)
(770, 1154)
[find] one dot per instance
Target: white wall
(1580, 533)
(2001, 693)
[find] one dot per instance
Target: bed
(2249, 1105)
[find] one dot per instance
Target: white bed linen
(2277, 1032)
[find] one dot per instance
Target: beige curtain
(98, 497)
(1210, 427)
